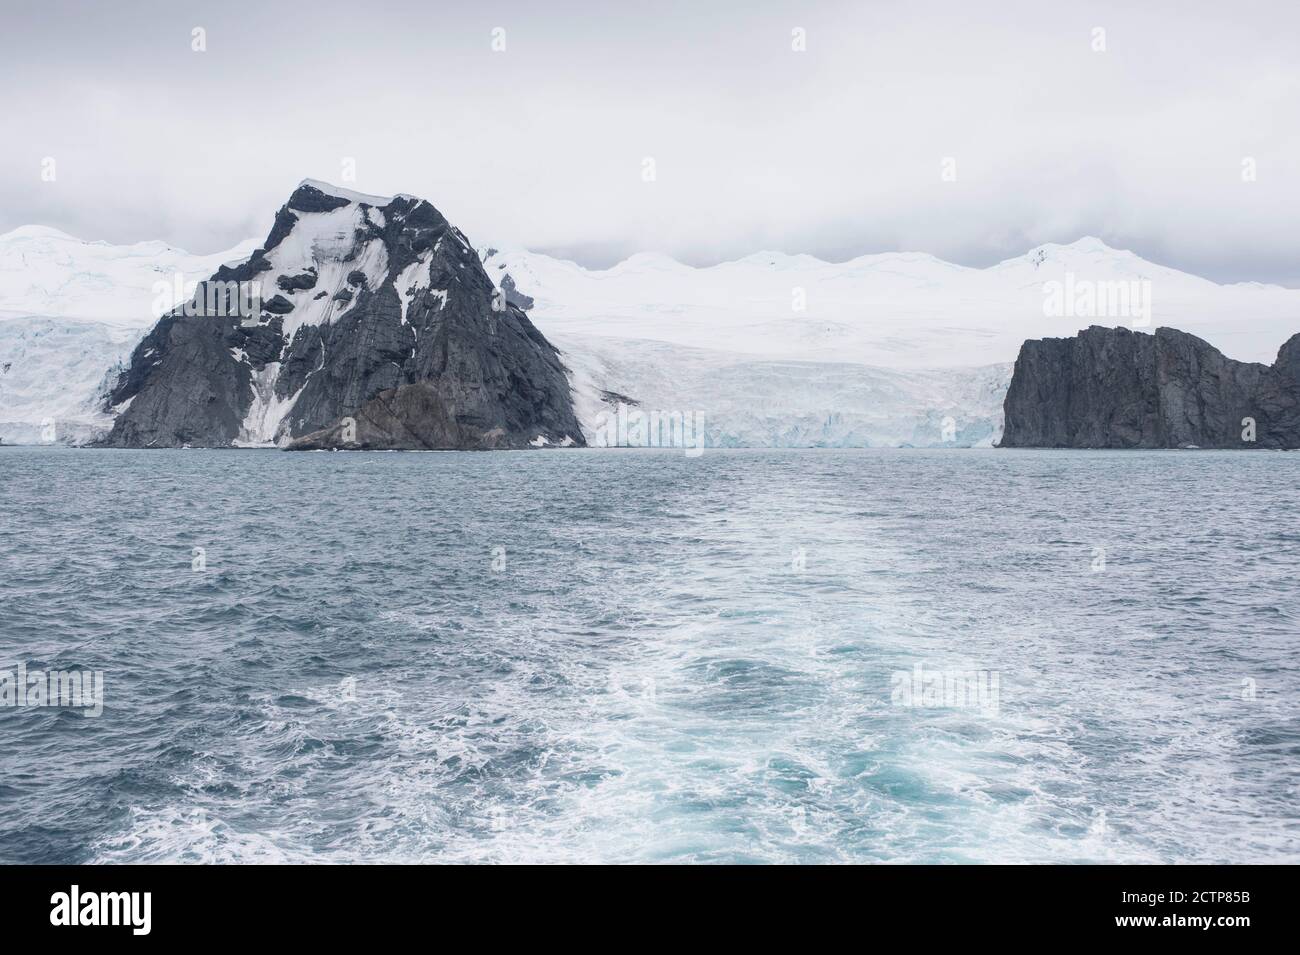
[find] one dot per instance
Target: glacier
(896, 349)
(777, 403)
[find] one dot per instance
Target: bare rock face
(377, 328)
(1115, 388)
(513, 295)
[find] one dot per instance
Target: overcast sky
(835, 151)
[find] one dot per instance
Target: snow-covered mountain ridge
(895, 310)
(773, 349)
(47, 272)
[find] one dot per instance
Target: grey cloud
(834, 151)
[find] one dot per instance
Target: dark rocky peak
(1288, 359)
(309, 197)
(364, 299)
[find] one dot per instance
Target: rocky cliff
(373, 326)
(1115, 388)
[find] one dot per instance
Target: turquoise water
(635, 656)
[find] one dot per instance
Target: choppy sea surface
(635, 656)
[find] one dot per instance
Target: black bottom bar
(1227, 905)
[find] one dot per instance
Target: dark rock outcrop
(297, 283)
(279, 305)
(410, 416)
(513, 295)
(1116, 388)
(381, 330)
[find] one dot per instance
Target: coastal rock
(1116, 388)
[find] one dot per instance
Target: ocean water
(635, 656)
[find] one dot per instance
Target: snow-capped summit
(339, 192)
(1089, 244)
(1091, 258)
(36, 232)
